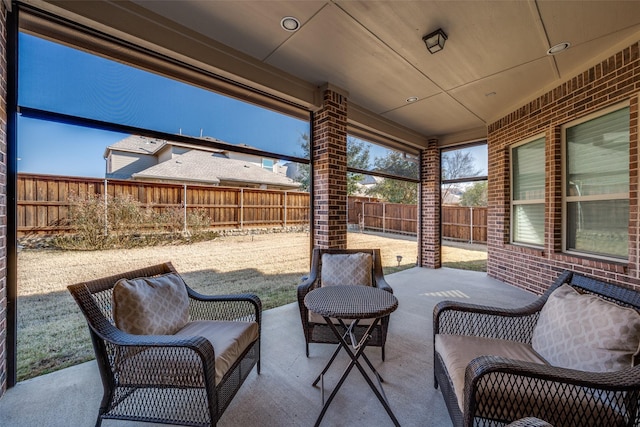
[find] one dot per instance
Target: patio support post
(329, 157)
(429, 236)
(8, 214)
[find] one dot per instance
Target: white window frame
(514, 203)
(604, 197)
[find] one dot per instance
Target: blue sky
(58, 78)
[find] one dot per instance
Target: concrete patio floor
(282, 395)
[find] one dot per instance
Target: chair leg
(383, 353)
(307, 344)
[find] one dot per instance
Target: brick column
(429, 239)
(329, 157)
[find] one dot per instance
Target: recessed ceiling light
(412, 99)
(558, 48)
(289, 23)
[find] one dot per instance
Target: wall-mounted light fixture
(435, 41)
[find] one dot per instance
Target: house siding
(169, 152)
(612, 81)
(124, 164)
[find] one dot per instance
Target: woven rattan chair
(499, 390)
(314, 327)
(173, 379)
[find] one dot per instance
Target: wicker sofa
(569, 358)
(167, 354)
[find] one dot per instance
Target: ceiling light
(412, 99)
(289, 23)
(435, 41)
(558, 48)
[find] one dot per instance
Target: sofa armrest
(129, 362)
(516, 324)
(506, 389)
(236, 307)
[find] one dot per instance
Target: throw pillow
(347, 269)
(151, 305)
(586, 332)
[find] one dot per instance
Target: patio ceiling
(493, 62)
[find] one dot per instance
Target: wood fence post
(285, 210)
(471, 223)
(106, 209)
(184, 203)
(241, 208)
(384, 217)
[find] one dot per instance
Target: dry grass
(53, 335)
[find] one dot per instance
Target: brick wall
(429, 238)
(3, 199)
(613, 80)
(329, 156)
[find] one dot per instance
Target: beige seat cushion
(151, 305)
(229, 341)
(518, 398)
(458, 350)
(586, 332)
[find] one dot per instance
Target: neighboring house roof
(212, 168)
(144, 145)
(137, 144)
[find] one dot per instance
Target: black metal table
(357, 303)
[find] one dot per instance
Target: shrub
(123, 222)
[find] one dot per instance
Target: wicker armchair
(175, 379)
(314, 327)
(498, 390)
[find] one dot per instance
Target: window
(596, 190)
(268, 164)
(464, 194)
(464, 175)
(100, 118)
(527, 198)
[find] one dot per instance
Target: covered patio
(282, 395)
(512, 90)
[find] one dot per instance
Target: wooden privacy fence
(464, 223)
(460, 223)
(383, 217)
(44, 202)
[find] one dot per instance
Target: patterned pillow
(151, 305)
(585, 332)
(347, 269)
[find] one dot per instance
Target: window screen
(528, 174)
(597, 185)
